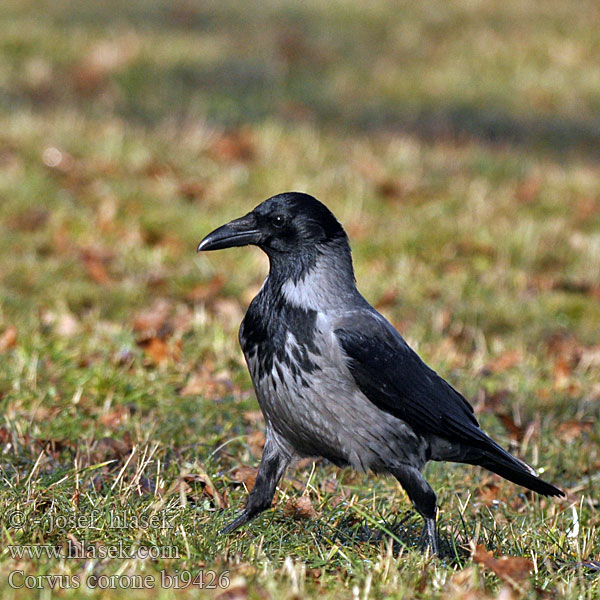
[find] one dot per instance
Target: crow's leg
(423, 499)
(273, 464)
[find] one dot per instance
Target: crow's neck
(319, 278)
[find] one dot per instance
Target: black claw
(429, 538)
(241, 520)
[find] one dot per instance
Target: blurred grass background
(458, 143)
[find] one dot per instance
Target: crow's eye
(278, 221)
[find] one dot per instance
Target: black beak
(239, 232)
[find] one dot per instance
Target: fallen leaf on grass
(192, 190)
(117, 416)
(390, 189)
(464, 585)
(245, 475)
(505, 361)
(205, 292)
(5, 436)
(253, 417)
(569, 431)
(256, 441)
(95, 264)
(514, 570)
(528, 190)
(488, 494)
(30, 219)
(299, 508)
(159, 352)
(108, 448)
(205, 383)
(208, 488)
(234, 146)
(235, 592)
(151, 322)
(496, 402)
(8, 339)
(388, 298)
(515, 431)
(329, 486)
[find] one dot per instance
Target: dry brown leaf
(192, 190)
(158, 351)
(253, 417)
(208, 488)
(515, 431)
(30, 219)
(205, 383)
(108, 448)
(299, 508)
(329, 486)
(234, 146)
(388, 298)
(95, 265)
(5, 436)
(569, 431)
(587, 208)
(291, 110)
(514, 570)
(117, 416)
(8, 339)
(390, 189)
(496, 402)
(205, 292)
(528, 190)
(505, 361)
(463, 585)
(256, 441)
(488, 494)
(234, 592)
(151, 322)
(563, 345)
(245, 475)
(292, 45)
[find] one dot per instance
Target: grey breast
(323, 413)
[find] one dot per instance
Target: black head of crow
(334, 379)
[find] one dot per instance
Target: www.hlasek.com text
(83, 550)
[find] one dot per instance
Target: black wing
(392, 376)
(397, 381)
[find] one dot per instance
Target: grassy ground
(458, 144)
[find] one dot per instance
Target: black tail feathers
(496, 459)
(521, 474)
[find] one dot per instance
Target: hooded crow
(333, 377)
